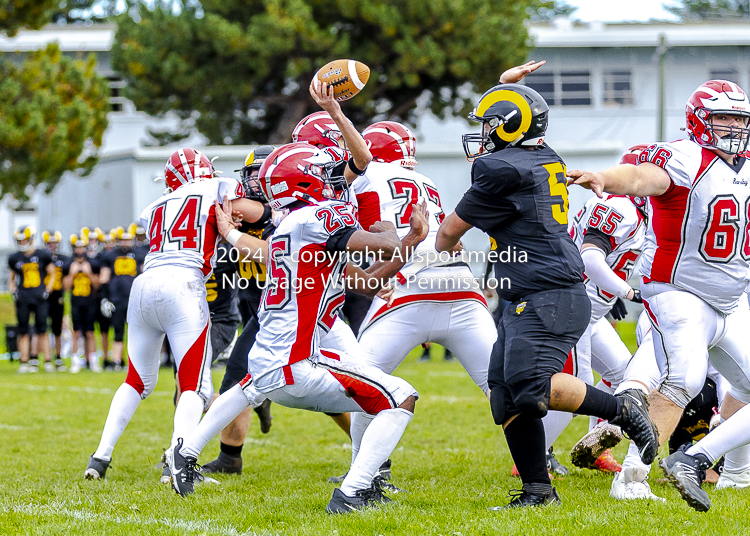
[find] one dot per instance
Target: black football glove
(619, 311)
(636, 296)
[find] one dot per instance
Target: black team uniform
(124, 264)
(31, 295)
(56, 302)
(221, 294)
(83, 302)
(252, 276)
(518, 196)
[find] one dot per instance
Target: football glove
(636, 296)
(619, 311)
(107, 308)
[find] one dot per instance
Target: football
(347, 77)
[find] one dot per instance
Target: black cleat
(686, 473)
(182, 468)
(522, 498)
(264, 414)
(554, 466)
(384, 486)
(96, 469)
(224, 463)
(636, 423)
(363, 498)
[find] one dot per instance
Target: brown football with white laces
(347, 77)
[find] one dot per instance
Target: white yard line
(58, 508)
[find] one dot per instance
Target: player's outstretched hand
(323, 95)
(419, 220)
(519, 72)
(587, 179)
(224, 220)
(387, 294)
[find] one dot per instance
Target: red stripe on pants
(191, 365)
(366, 396)
(133, 379)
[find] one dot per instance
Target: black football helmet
(249, 172)
(511, 115)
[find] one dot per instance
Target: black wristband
(637, 298)
(266, 214)
(355, 169)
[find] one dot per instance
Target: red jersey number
(434, 196)
(719, 240)
(278, 292)
(408, 190)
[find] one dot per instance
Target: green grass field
(452, 460)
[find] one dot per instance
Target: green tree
(698, 10)
(53, 113)
(32, 14)
(239, 70)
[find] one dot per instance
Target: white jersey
(304, 290)
(698, 237)
(388, 192)
(181, 225)
(617, 217)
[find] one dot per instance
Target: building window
(617, 89)
(544, 84)
(724, 74)
(575, 88)
(116, 100)
(567, 88)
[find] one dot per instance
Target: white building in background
(602, 83)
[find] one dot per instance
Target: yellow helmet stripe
(250, 158)
(515, 98)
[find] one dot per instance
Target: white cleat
(630, 490)
(76, 364)
(733, 480)
(49, 367)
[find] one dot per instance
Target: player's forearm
(67, 283)
(643, 180)
(252, 211)
(12, 283)
(599, 272)
(383, 245)
(383, 271)
(450, 233)
(251, 247)
(355, 143)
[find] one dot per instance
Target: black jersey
(31, 271)
(124, 264)
(82, 289)
(221, 287)
(518, 197)
(59, 261)
(252, 272)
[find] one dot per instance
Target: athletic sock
(378, 442)
(123, 406)
(593, 420)
(231, 450)
(223, 411)
(525, 438)
(631, 384)
(733, 433)
(187, 415)
(360, 422)
(555, 422)
(633, 469)
(737, 460)
(599, 404)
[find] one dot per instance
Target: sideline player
(169, 297)
(119, 269)
(518, 196)
(30, 294)
(81, 279)
(694, 270)
(56, 299)
(286, 363)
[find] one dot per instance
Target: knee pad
(681, 394)
(534, 402)
(497, 405)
